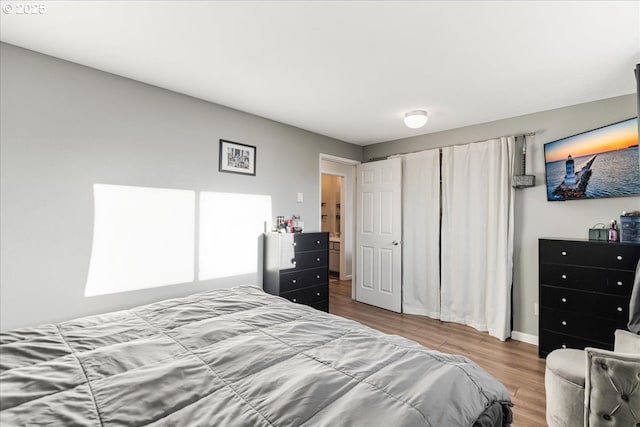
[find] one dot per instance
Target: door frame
(348, 198)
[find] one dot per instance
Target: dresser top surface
(598, 242)
(304, 233)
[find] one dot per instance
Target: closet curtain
(477, 235)
(421, 228)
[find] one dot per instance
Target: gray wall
(66, 127)
(534, 216)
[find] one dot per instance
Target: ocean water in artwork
(614, 173)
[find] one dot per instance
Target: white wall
(535, 217)
(67, 127)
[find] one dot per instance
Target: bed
(236, 357)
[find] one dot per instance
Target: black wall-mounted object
(638, 93)
(522, 180)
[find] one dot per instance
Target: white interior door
(378, 246)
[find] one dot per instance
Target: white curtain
(421, 228)
(477, 235)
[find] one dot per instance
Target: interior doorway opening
(332, 220)
(338, 204)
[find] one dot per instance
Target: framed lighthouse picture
(602, 162)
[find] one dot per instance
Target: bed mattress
(236, 357)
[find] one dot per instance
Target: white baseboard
(521, 336)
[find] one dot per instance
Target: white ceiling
(351, 69)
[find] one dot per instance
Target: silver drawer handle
(317, 276)
(619, 257)
(564, 346)
(564, 323)
(294, 300)
(318, 259)
(619, 308)
(619, 283)
(294, 243)
(564, 276)
(564, 300)
(564, 253)
(294, 281)
(318, 293)
(318, 242)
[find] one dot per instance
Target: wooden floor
(514, 363)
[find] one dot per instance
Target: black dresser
(296, 267)
(585, 288)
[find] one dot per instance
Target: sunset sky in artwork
(614, 137)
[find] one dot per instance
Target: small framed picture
(237, 158)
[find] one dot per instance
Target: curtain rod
(373, 159)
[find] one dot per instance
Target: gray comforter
(234, 357)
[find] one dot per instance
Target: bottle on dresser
(613, 231)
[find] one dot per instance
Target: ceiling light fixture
(415, 119)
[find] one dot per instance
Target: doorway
(339, 208)
(332, 221)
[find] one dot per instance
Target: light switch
(300, 197)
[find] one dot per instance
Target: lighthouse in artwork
(575, 183)
(570, 178)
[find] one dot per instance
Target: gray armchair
(594, 387)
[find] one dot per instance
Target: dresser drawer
(594, 254)
(612, 307)
(579, 325)
(308, 295)
(310, 241)
(618, 282)
(550, 341)
(299, 279)
(304, 260)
